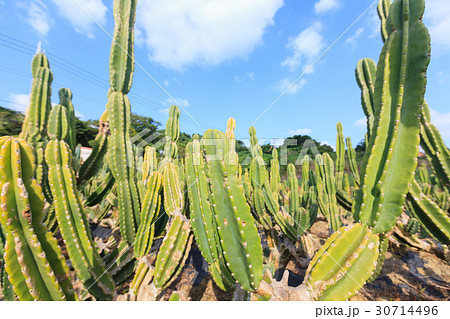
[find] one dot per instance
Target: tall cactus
(34, 129)
(65, 99)
(120, 150)
(34, 262)
(238, 234)
(70, 213)
(259, 179)
(326, 190)
(34, 126)
(340, 156)
(202, 216)
(399, 89)
(365, 77)
(352, 160)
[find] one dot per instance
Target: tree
(10, 122)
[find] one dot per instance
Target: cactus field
(130, 222)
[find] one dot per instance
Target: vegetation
(199, 192)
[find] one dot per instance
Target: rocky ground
(407, 274)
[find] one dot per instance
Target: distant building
(85, 152)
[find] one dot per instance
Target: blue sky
(218, 59)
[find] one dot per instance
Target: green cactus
(34, 127)
(121, 158)
(326, 190)
(70, 213)
(65, 98)
(260, 182)
(149, 213)
(383, 12)
(173, 252)
(343, 264)
(121, 61)
(392, 153)
(94, 162)
(352, 160)
(437, 152)
(429, 214)
(34, 261)
(149, 163)
(121, 163)
(238, 234)
(340, 157)
(275, 178)
(365, 77)
(202, 216)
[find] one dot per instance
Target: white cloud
(442, 122)
(300, 131)
(306, 47)
(248, 75)
(37, 16)
(285, 83)
(437, 18)
(361, 123)
(79, 19)
(180, 102)
(325, 6)
(203, 32)
(277, 142)
(79, 115)
(19, 102)
(353, 39)
(374, 23)
(329, 144)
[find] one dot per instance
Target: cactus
(438, 154)
(352, 160)
(173, 252)
(150, 210)
(121, 61)
(429, 214)
(260, 183)
(70, 212)
(202, 216)
(149, 163)
(365, 77)
(340, 157)
(173, 195)
(95, 160)
(343, 263)
(34, 125)
(383, 13)
(275, 178)
(392, 153)
(34, 261)
(236, 227)
(120, 151)
(326, 190)
(65, 99)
